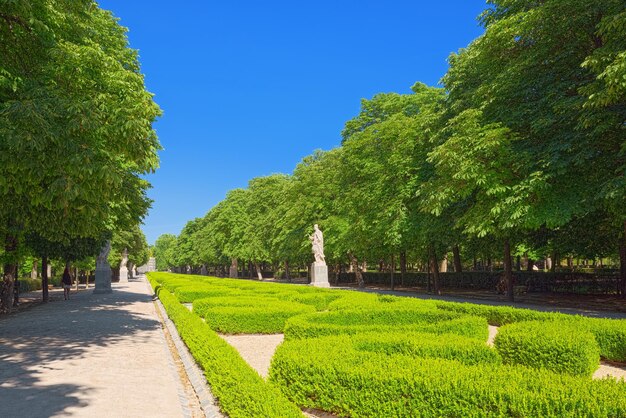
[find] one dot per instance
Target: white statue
(103, 258)
(317, 240)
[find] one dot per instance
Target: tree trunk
(555, 261)
(287, 272)
(76, 277)
(456, 253)
(258, 271)
(357, 270)
(475, 264)
(508, 271)
(393, 268)
(518, 263)
(489, 265)
(10, 272)
(402, 267)
(622, 260)
(434, 267)
(530, 265)
(444, 264)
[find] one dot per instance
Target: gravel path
(256, 349)
(91, 356)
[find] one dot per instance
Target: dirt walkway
(91, 356)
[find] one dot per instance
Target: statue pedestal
(319, 275)
(124, 275)
(103, 280)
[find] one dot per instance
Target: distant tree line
(75, 135)
(521, 153)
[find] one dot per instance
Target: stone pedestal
(319, 275)
(124, 268)
(103, 271)
(103, 279)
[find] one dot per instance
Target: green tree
(515, 96)
(163, 250)
(76, 126)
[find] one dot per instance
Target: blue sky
(249, 88)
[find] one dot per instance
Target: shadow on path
(44, 340)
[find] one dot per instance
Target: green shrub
(423, 345)
(240, 390)
(263, 316)
(29, 285)
(319, 300)
(187, 294)
(499, 315)
(610, 334)
(352, 299)
(385, 320)
(549, 345)
(330, 374)
(200, 306)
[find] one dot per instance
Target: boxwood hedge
(375, 355)
(385, 320)
(240, 390)
(332, 374)
(549, 345)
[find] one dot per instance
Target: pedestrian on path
(67, 283)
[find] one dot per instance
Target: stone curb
(208, 402)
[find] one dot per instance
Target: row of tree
(75, 133)
(522, 151)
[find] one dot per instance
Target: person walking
(67, 283)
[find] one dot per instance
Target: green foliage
(134, 242)
(376, 355)
(354, 322)
(29, 285)
(269, 319)
(189, 293)
(610, 335)
(332, 374)
(240, 390)
(426, 345)
(549, 345)
(164, 248)
(498, 315)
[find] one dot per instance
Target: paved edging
(182, 396)
(195, 374)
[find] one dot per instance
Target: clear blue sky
(249, 88)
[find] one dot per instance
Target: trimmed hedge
(239, 389)
(424, 345)
(385, 320)
(499, 315)
(319, 300)
(610, 334)
(549, 345)
(332, 375)
(248, 315)
(187, 294)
